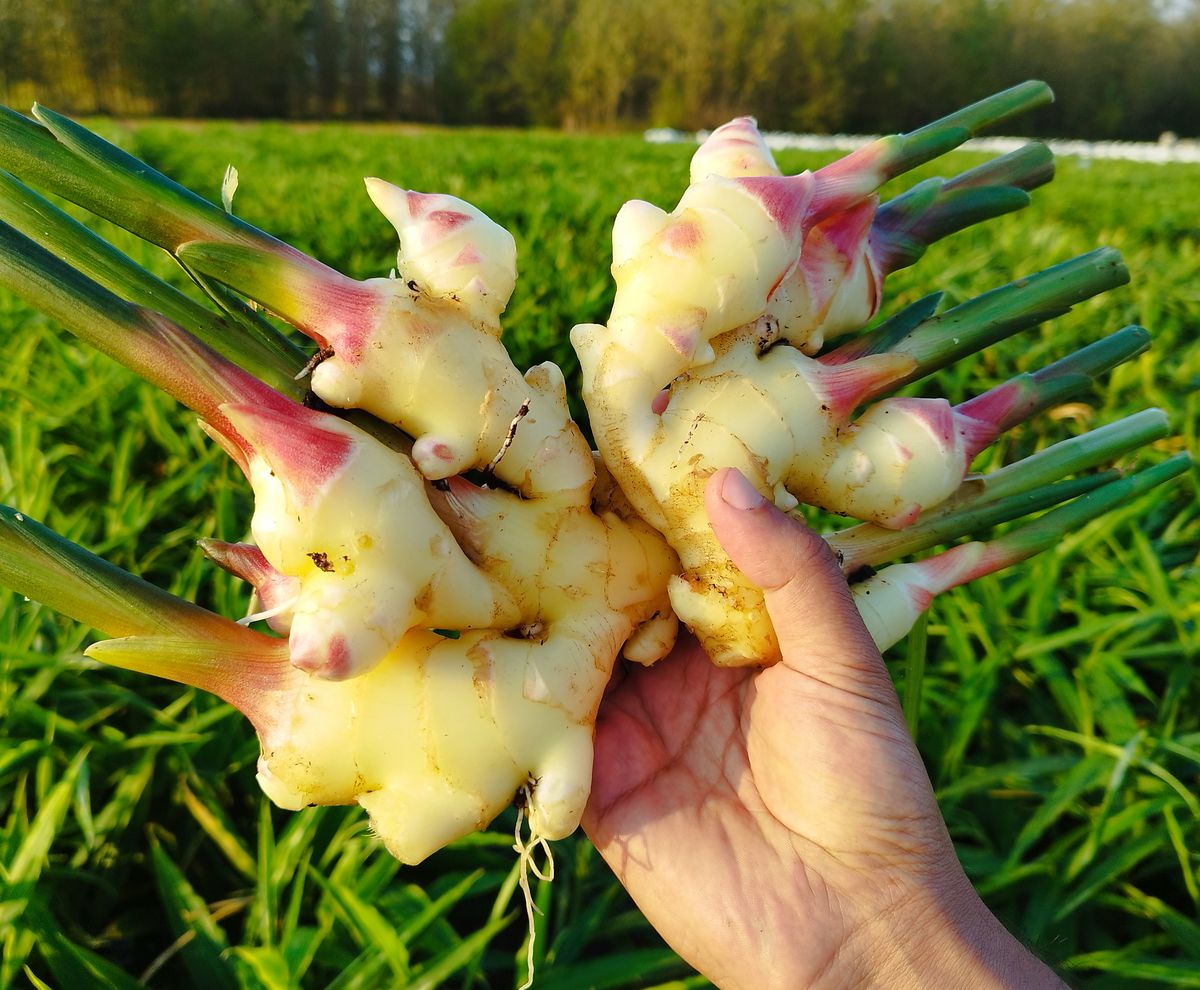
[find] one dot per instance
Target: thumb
(818, 626)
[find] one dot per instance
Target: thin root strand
(526, 850)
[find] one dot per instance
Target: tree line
(1121, 68)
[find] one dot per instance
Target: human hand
(777, 825)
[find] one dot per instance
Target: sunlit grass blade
(367, 925)
(1088, 774)
(28, 860)
(1185, 930)
(440, 906)
(202, 943)
(268, 966)
(74, 965)
(435, 973)
(916, 653)
(1175, 833)
(613, 970)
(1119, 862)
(1129, 967)
(218, 827)
(20, 754)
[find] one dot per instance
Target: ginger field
(1057, 706)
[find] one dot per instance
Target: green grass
(1056, 705)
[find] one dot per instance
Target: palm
(709, 781)
(777, 826)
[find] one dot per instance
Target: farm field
(1056, 706)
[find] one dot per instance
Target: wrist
(945, 938)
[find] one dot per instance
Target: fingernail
(738, 492)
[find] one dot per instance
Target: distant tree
(541, 60)
(391, 64)
(686, 62)
(477, 77)
(813, 85)
(1122, 68)
(600, 54)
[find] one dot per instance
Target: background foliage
(1058, 709)
(1121, 68)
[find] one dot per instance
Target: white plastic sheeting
(1168, 148)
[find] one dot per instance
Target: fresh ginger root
(451, 568)
(708, 360)
(452, 604)
(433, 735)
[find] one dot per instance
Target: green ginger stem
(43, 566)
(937, 340)
(1048, 530)
(267, 355)
(1029, 485)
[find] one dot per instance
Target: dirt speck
(321, 559)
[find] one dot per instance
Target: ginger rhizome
(448, 638)
(443, 570)
(712, 356)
